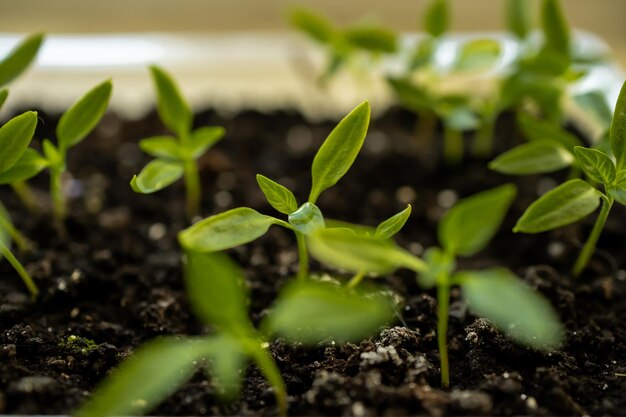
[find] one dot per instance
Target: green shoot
(175, 156)
(19, 59)
(576, 199)
(518, 18)
(242, 225)
(466, 229)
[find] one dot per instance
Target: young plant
(344, 46)
(15, 136)
(576, 199)
(308, 312)
(242, 225)
(466, 229)
(19, 59)
(175, 156)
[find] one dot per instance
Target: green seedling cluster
(465, 230)
(175, 156)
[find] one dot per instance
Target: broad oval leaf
(29, 165)
(394, 224)
(599, 167)
(3, 97)
(518, 17)
(542, 130)
(314, 25)
(617, 189)
(533, 158)
(339, 150)
(307, 219)
(555, 27)
(278, 196)
(204, 138)
(154, 372)
(217, 291)
(166, 147)
(478, 54)
(520, 312)
(372, 39)
(155, 176)
(436, 18)
(344, 249)
(565, 204)
(80, 119)
(171, 106)
(15, 136)
(618, 129)
(20, 58)
(313, 312)
(471, 223)
(226, 230)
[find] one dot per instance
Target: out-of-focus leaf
(478, 55)
(20, 58)
(29, 165)
(372, 39)
(314, 25)
(436, 18)
(15, 135)
(171, 105)
(535, 157)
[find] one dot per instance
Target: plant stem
(356, 280)
(303, 257)
(483, 139)
(26, 196)
(268, 367)
(590, 245)
(20, 240)
(28, 281)
(452, 146)
(193, 188)
(56, 193)
(443, 307)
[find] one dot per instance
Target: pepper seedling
(242, 225)
(175, 156)
(344, 46)
(576, 199)
(465, 229)
(307, 312)
(15, 135)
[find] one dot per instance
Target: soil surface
(115, 281)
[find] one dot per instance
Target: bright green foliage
(555, 28)
(465, 229)
(243, 225)
(518, 17)
(436, 18)
(175, 156)
(19, 59)
(477, 55)
(394, 224)
(576, 199)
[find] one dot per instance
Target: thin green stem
(20, 240)
(356, 280)
(482, 146)
(28, 280)
(59, 204)
(268, 367)
(443, 306)
(590, 245)
(26, 196)
(452, 146)
(303, 256)
(193, 188)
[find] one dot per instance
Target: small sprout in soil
(15, 135)
(576, 199)
(307, 312)
(243, 225)
(175, 155)
(19, 59)
(466, 229)
(77, 344)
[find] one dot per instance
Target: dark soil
(115, 282)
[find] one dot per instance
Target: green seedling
(175, 156)
(577, 199)
(15, 135)
(466, 229)
(344, 46)
(308, 312)
(243, 225)
(19, 59)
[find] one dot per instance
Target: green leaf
(422, 54)
(155, 176)
(154, 372)
(80, 119)
(314, 25)
(478, 54)
(226, 230)
(565, 204)
(227, 364)
(204, 138)
(394, 224)
(518, 17)
(344, 249)
(436, 18)
(339, 150)
(20, 58)
(3, 97)
(15, 136)
(412, 97)
(470, 224)
(617, 189)
(313, 312)
(166, 147)
(217, 291)
(307, 219)
(29, 165)
(372, 39)
(171, 106)
(520, 312)
(599, 167)
(542, 130)
(52, 154)
(594, 103)
(555, 28)
(618, 129)
(278, 196)
(438, 264)
(533, 158)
